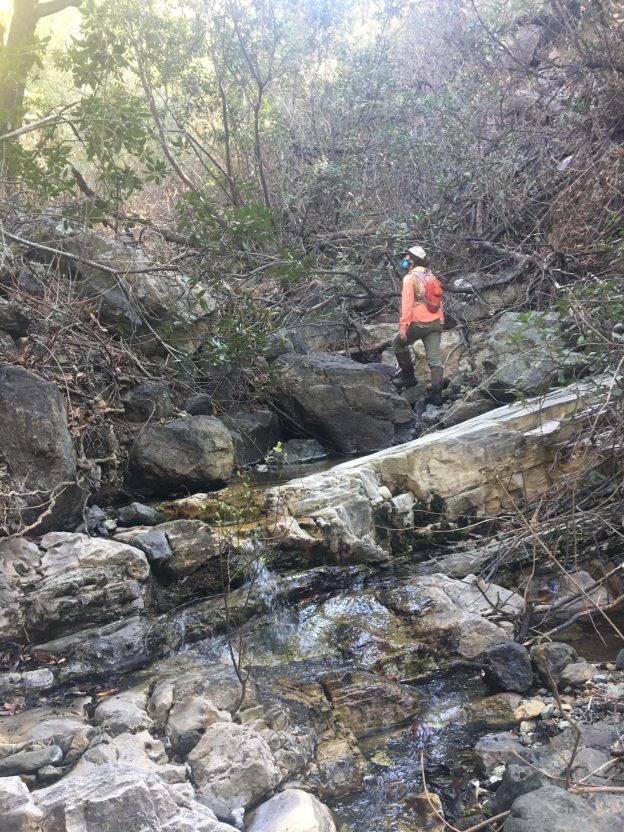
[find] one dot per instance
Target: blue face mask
(404, 264)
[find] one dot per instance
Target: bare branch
(54, 6)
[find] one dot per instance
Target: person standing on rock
(422, 317)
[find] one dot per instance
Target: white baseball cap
(419, 252)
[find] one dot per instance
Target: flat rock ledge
(474, 469)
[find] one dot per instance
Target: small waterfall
(265, 588)
(266, 584)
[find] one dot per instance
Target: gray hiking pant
(430, 334)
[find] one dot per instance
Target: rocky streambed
(356, 675)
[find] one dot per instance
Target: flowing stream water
(305, 641)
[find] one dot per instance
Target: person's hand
(403, 337)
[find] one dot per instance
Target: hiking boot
(435, 397)
(404, 379)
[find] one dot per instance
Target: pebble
(529, 709)
(42, 678)
(615, 691)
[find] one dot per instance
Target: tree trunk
(18, 56)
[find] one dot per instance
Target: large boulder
(19, 813)
(148, 305)
(553, 809)
(352, 406)
(148, 401)
(116, 797)
(233, 767)
(191, 452)
(523, 354)
(508, 667)
(185, 705)
(257, 432)
(125, 712)
(37, 459)
(112, 648)
(81, 581)
(290, 811)
(502, 459)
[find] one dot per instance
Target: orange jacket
(413, 305)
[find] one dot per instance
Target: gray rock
(125, 712)
(36, 446)
(508, 667)
(11, 612)
(351, 406)
(184, 706)
(551, 809)
(523, 352)
(120, 798)
(93, 516)
(26, 762)
(112, 648)
(297, 451)
(154, 542)
(177, 307)
(110, 575)
(284, 342)
(368, 703)
(619, 660)
(19, 813)
(259, 431)
(191, 452)
(7, 346)
(292, 810)
(453, 612)
(577, 673)
(550, 659)
(38, 679)
(517, 780)
(493, 750)
(148, 401)
(202, 404)
(196, 552)
(139, 749)
(14, 318)
(233, 767)
(137, 514)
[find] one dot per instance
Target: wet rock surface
(453, 611)
(361, 681)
